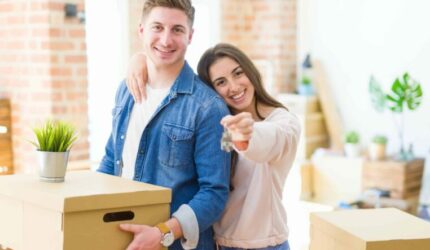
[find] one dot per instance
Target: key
(226, 141)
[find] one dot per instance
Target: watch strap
(163, 228)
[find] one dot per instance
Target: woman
(254, 217)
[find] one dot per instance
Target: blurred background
(64, 59)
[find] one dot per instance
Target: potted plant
(406, 94)
(305, 86)
(352, 146)
(54, 140)
(377, 147)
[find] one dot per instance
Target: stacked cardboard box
(368, 229)
(314, 134)
(84, 212)
(5, 138)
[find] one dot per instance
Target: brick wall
(266, 31)
(43, 72)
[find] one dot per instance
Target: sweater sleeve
(273, 138)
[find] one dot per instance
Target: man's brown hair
(184, 5)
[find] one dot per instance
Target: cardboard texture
(368, 229)
(402, 179)
(314, 132)
(330, 109)
(82, 213)
(336, 178)
(306, 174)
(6, 159)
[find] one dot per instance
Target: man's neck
(163, 77)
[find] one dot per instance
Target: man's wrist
(167, 236)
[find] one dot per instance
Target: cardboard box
(336, 178)
(402, 179)
(82, 213)
(5, 138)
(368, 229)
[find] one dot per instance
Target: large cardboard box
(82, 213)
(336, 178)
(368, 229)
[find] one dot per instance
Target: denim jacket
(179, 149)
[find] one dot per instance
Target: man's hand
(137, 77)
(145, 237)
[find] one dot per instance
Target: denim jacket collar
(184, 83)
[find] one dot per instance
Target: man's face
(166, 34)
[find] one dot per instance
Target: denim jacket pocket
(176, 146)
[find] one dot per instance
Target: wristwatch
(167, 237)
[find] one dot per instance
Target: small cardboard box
(368, 229)
(82, 213)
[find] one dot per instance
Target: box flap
(375, 225)
(83, 190)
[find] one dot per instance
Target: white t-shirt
(139, 118)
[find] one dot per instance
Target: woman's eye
(219, 83)
(239, 73)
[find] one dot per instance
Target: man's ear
(190, 37)
(141, 29)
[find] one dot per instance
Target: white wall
(357, 38)
(106, 26)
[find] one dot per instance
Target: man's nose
(166, 38)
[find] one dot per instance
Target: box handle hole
(118, 216)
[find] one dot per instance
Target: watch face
(168, 239)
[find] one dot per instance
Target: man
(172, 138)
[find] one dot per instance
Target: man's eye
(178, 30)
(239, 73)
(156, 28)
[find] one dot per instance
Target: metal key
(226, 141)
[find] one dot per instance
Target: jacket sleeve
(274, 139)
(212, 166)
(107, 164)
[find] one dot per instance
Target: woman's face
(230, 81)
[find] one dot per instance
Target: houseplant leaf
(377, 96)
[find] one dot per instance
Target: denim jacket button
(122, 137)
(118, 162)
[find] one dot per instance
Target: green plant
(54, 136)
(352, 137)
(405, 93)
(306, 80)
(380, 139)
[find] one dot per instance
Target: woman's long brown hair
(261, 96)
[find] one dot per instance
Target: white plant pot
(352, 150)
(52, 165)
(377, 151)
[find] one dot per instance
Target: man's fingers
(136, 92)
(141, 84)
(131, 228)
